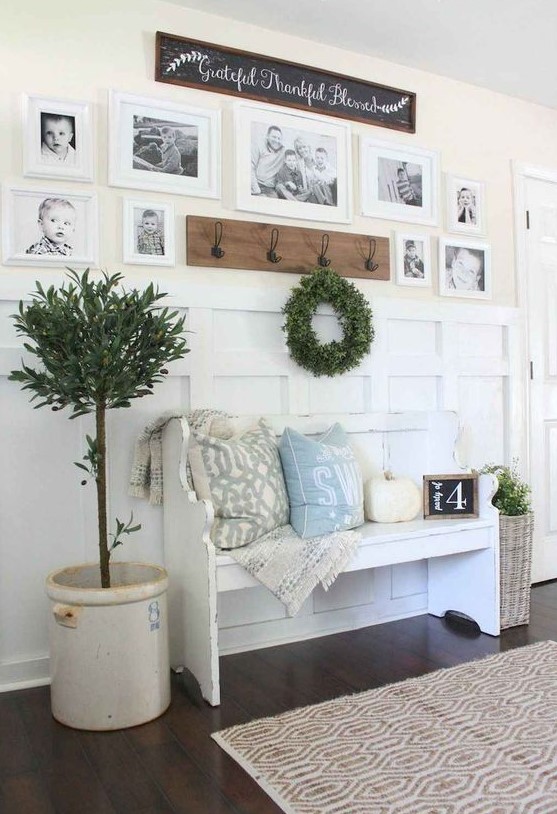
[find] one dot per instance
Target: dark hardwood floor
(172, 765)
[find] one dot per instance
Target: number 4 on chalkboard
(451, 495)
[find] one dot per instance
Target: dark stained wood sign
(183, 61)
(451, 495)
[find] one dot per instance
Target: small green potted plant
(512, 497)
(98, 347)
(516, 527)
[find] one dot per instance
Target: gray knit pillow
(242, 477)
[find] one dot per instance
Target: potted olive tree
(98, 347)
(516, 527)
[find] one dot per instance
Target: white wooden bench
(462, 555)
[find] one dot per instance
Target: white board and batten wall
(427, 355)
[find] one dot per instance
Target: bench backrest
(409, 444)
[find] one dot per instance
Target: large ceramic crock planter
(109, 657)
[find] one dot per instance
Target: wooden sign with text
(183, 61)
(451, 495)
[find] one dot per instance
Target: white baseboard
(20, 675)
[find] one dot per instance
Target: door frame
(522, 173)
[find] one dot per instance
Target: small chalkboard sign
(451, 495)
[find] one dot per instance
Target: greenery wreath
(354, 314)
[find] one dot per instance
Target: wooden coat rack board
(240, 244)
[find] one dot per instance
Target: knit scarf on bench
(146, 479)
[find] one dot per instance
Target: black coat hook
(323, 260)
(272, 256)
(216, 250)
(369, 264)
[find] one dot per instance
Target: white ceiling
(505, 45)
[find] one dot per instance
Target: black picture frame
(450, 495)
(203, 65)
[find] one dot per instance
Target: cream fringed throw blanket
(289, 566)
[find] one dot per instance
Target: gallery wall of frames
(287, 163)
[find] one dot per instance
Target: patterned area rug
(480, 738)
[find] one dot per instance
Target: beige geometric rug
(480, 738)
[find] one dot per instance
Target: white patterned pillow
(242, 477)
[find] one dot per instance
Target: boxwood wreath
(354, 315)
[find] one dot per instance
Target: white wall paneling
(427, 356)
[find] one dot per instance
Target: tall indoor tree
(98, 347)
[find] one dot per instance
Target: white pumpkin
(391, 500)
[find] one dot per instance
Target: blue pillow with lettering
(323, 481)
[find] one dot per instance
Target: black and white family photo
(294, 165)
(49, 228)
(165, 146)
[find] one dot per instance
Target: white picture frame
(318, 183)
(398, 182)
(76, 243)
(464, 268)
(190, 138)
(140, 243)
(465, 205)
(57, 139)
(413, 259)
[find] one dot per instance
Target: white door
(540, 289)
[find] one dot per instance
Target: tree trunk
(104, 554)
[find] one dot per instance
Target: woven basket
(515, 542)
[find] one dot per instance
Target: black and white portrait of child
(414, 260)
(58, 141)
(58, 138)
(56, 222)
(50, 228)
(149, 231)
(466, 205)
(464, 268)
(164, 146)
(399, 182)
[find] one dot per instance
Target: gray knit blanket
(289, 566)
